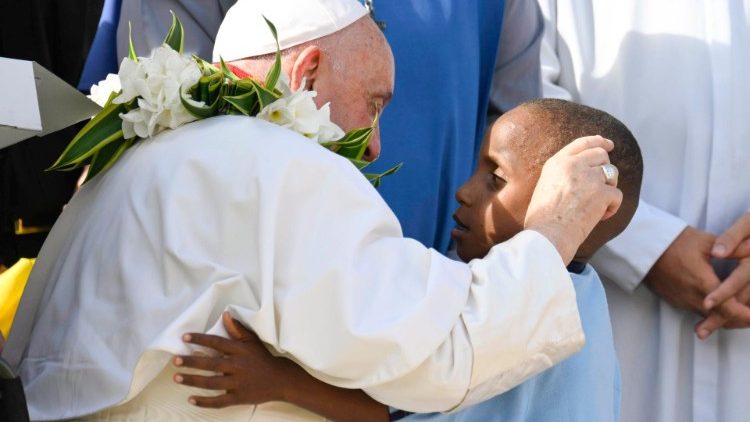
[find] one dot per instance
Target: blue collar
(576, 267)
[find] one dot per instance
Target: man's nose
(373, 149)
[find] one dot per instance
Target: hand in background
(734, 243)
(683, 276)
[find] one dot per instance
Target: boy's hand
(247, 372)
(573, 195)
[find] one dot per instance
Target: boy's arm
(251, 375)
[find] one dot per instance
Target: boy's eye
(496, 182)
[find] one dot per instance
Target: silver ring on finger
(610, 174)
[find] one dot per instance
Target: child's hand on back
(244, 368)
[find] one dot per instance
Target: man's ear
(305, 68)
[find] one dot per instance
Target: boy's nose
(462, 195)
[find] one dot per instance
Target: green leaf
(265, 96)
(275, 72)
(360, 164)
(104, 128)
(227, 72)
(175, 37)
(202, 112)
(376, 179)
(131, 50)
(107, 156)
(207, 68)
(246, 103)
(353, 145)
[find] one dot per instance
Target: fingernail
(192, 401)
(709, 304)
(703, 333)
(178, 378)
(186, 338)
(719, 250)
(178, 361)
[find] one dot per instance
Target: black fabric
(397, 415)
(56, 34)
(576, 267)
(12, 401)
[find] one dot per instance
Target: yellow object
(12, 283)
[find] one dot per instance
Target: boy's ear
(305, 67)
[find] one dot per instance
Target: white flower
(158, 82)
(100, 92)
(297, 111)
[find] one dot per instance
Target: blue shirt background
(582, 388)
(445, 58)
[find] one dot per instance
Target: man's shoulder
(238, 134)
(234, 148)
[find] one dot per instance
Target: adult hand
(246, 370)
(572, 195)
(683, 276)
(734, 243)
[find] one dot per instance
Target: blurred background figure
(57, 35)
(456, 62)
(677, 74)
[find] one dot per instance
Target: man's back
(184, 218)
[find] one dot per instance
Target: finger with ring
(610, 174)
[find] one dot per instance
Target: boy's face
(494, 201)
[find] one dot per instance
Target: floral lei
(169, 89)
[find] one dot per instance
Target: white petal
(127, 130)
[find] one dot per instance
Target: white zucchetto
(244, 33)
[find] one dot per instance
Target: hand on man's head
(573, 195)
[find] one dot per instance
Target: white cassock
(678, 74)
(236, 213)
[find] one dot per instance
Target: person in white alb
(237, 213)
(678, 74)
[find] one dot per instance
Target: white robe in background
(678, 74)
(236, 213)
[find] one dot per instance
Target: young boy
(493, 203)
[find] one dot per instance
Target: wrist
(558, 238)
(292, 381)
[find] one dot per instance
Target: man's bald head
(353, 69)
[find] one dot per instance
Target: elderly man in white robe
(237, 213)
(677, 74)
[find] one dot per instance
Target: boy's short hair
(559, 122)
(564, 121)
